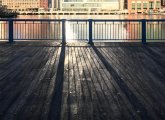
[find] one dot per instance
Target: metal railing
(88, 30)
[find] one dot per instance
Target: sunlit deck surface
(76, 81)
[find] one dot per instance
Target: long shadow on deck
(137, 105)
(55, 107)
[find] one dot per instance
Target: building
(143, 6)
(25, 5)
(55, 4)
(0, 2)
(22, 5)
(86, 5)
(163, 3)
(44, 4)
(121, 4)
(90, 5)
(125, 4)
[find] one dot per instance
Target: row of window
(13, 7)
(19, 3)
(19, 0)
(144, 5)
(81, 5)
(88, 1)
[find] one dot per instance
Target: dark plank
(46, 80)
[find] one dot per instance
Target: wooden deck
(49, 81)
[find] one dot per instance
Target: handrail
(90, 24)
(101, 20)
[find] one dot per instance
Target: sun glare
(70, 33)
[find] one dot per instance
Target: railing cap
(96, 20)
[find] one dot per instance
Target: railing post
(63, 31)
(10, 31)
(90, 32)
(144, 31)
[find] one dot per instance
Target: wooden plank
(12, 89)
(34, 101)
(133, 83)
(86, 102)
(106, 82)
(111, 89)
(20, 101)
(47, 103)
(126, 76)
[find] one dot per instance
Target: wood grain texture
(76, 81)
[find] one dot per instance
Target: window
(157, 4)
(138, 5)
(151, 5)
(133, 6)
(144, 5)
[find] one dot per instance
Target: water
(104, 31)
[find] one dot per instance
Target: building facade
(0, 2)
(22, 5)
(121, 4)
(55, 4)
(25, 5)
(125, 4)
(90, 5)
(143, 6)
(163, 3)
(44, 4)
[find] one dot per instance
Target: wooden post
(90, 32)
(144, 31)
(10, 31)
(63, 31)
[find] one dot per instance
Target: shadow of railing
(55, 108)
(137, 105)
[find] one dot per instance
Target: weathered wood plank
(24, 95)
(44, 80)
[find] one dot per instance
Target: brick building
(44, 4)
(21, 5)
(143, 6)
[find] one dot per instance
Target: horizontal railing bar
(38, 39)
(117, 20)
(128, 20)
(116, 39)
(83, 20)
(31, 19)
(155, 20)
(155, 39)
(76, 39)
(92, 31)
